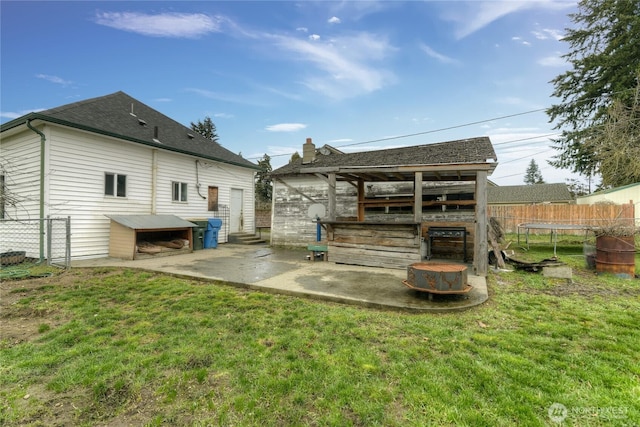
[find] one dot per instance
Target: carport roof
(452, 160)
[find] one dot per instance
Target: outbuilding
(388, 208)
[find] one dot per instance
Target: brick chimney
(308, 152)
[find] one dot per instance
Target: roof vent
(190, 135)
(142, 122)
(155, 135)
(132, 113)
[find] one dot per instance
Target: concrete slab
(287, 271)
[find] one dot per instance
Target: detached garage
(142, 236)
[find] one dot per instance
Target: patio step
(245, 239)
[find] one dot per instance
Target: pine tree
(604, 57)
(206, 128)
(533, 174)
(264, 187)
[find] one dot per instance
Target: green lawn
(117, 346)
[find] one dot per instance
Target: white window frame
(115, 184)
(179, 191)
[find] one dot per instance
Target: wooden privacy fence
(599, 215)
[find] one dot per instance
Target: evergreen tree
(533, 174)
(264, 187)
(206, 128)
(604, 57)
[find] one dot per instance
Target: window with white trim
(179, 191)
(115, 185)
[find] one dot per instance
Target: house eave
(37, 116)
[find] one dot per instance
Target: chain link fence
(35, 241)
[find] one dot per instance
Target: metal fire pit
(437, 278)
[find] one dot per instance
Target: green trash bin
(198, 234)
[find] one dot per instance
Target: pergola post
(480, 246)
(417, 194)
(361, 200)
(331, 215)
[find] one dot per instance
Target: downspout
(154, 179)
(42, 141)
(198, 181)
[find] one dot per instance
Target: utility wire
(427, 132)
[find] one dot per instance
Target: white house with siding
(114, 155)
(629, 193)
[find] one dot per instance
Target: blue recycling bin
(211, 233)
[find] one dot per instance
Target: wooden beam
(360, 200)
(481, 247)
(417, 197)
(280, 180)
(454, 167)
(332, 197)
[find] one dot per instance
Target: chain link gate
(21, 241)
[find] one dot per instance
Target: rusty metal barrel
(439, 278)
(616, 255)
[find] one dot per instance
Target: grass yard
(114, 346)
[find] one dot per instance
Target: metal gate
(44, 240)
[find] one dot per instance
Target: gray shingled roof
(535, 193)
(472, 150)
(111, 115)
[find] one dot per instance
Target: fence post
(68, 245)
(49, 238)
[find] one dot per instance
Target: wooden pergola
(418, 164)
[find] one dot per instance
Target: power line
(427, 132)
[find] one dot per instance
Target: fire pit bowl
(437, 278)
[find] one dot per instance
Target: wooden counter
(375, 244)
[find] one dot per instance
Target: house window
(179, 191)
(115, 185)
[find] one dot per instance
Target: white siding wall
(619, 197)
(20, 163)
(174, 167)
(77, 164)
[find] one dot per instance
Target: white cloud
(163, 100)
(286, 127)
(547, 33)
(333, 20)
(54, 79)
(14, 115)
(314, 37)
(346, 66)
(521, 41)
(302, 29)
(440, 57)
(470, 17)
(552, 61)
(223, 115)
(179, 25)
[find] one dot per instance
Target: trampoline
(548, 226)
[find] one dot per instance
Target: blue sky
(356, 75)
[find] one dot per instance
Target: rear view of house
(115, 156)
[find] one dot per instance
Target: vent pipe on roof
(308, 152)
(132, 113)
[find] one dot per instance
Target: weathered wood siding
(292, 197)
(387, 245)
